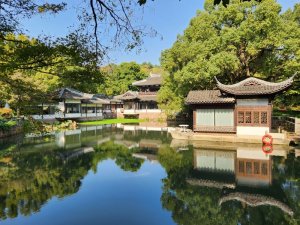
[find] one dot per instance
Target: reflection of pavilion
(243, 174)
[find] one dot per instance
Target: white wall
(251, 153)
(255, 131)
(252, 102)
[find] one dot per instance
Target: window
(248, 117)
(256, 168)
(256, 117)
(215, 117)
(264, 117)
(241, 117)
(253, 168)
(252, 117)
(241, 167)
(248, 167)
(264, 169)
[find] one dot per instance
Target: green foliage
(119, 78)
(31, 126)
(234, 42)
(29, 68)
(6, 125)
(121, 154)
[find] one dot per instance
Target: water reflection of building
(253, 167)
(91, 136)
(242, 173)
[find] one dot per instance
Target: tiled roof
(129, 95)
(207, 97)
(96, 101)
(153, 79)
(69, 93)
(255, 86)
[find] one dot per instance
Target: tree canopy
(234, 42)
(119, 78)
(72, 60)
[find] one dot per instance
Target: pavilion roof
(254, 86)
(153, 79)
(129, 95)
(70, 93)
(144, 97)
(208, 97)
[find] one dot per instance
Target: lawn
(112, 121)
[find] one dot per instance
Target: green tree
(119, 78)
(30, 68)
(234, 42)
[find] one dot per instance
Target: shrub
(7, 113)
(6, 125)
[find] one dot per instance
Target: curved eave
(263, 87)
(256, 200)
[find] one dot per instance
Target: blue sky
(168, 17)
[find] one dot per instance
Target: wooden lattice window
(264, 169)
(241, 167)
(248, 117)
(255, 117)
(256, 168)
(241, 117)
(264, 117)
(252, 117)
(248, 167)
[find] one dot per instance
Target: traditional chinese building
(68, 103)
(244, 108)
(142, 103)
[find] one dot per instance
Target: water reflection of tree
(121, 154)
(28, 180)
(287, 173)
(200, 205)
(138, 135)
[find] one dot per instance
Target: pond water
(111, 175)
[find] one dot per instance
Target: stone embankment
(15, 130)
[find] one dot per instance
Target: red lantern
(267, 149)
(267, 139)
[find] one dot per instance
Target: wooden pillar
(65, 108)
(42, 110)
(96, 110)
(194, 119)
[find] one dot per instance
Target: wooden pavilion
(244, 108)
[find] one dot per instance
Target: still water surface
(110, 175)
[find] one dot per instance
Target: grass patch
(112, 121)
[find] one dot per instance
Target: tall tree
(119, 78)
(234, 42)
